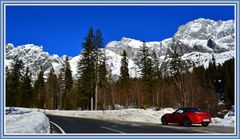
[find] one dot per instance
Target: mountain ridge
(201, 38)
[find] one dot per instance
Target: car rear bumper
(198, 120)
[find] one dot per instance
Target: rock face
(33, 57)
(196, 41)
(198, 32)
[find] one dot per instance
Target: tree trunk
(96, 96)
(91, 102)
(153, 98)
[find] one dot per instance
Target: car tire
(164, 121)
(205, 124)
(187, 122)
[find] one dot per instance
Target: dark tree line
(150, 74)
(94, 87)
(42, 93)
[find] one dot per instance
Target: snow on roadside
(27, 121)
(226, 121)
(35, 118)
(136, 115)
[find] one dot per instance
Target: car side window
(180, 111)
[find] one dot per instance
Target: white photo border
(4, 4)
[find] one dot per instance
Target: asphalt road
(82, 125)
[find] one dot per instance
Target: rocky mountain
(201, 39)
(33, 57)
(36, 59)
(205, 35)
(197, 41)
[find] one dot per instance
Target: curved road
(82, 125)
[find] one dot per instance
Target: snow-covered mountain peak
(114, 64)
(55, 56)
(28, 49)
(32, 46)
(133, 47)
(199, 31)
(125, 42)
(9, 47)
(33, 57)
(206, 28)
(131, 42)
(201, 20)
(197, 41)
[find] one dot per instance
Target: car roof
(187, 109)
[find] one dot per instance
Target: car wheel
(164, 121)
(204, 124)
(187, 122)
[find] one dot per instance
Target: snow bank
(226, 121)
(27, 121)
(137, 115)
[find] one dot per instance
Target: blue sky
(61, 29)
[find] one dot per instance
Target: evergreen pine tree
(86, 72)
(68, 76)
(14, 79)
(124, 77)
(88, 68)
(98, 39)
(213, 69)
(156, 75)
(124, 73)
(228, 73)
(176, 67)
(9, 88)
(98, 42)
(103, 79)
(52, 89)
(68, 84)
(61, 78)
(145, 63)
(200, 72)
(39, 91)
(156, 66)
(27, 90)
(146, 67)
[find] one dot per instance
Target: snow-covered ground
(26, 120)
(136, 115)
(22, 120)
(228, 120)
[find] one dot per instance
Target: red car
(187, 117)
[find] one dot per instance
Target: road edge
(63, 132)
